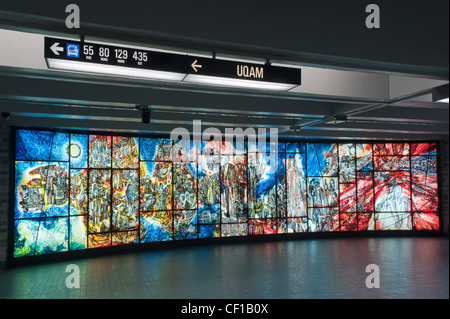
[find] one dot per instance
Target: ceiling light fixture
(228, 82)
(96, 68)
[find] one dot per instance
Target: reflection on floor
(319, 268)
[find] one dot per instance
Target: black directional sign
(169, 62)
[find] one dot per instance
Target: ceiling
(379, 79)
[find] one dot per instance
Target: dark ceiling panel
(412, 33)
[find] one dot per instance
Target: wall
(445, 185)
(4, 177)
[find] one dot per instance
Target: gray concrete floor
(300, 269)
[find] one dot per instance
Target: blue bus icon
(72, 50)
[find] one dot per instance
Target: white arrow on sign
(195, 66)
(55, 48)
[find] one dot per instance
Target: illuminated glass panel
(78, 232)
(391, 149)
(125, 152)
(296, 148)
(297, 225)
(125, 237)
(99, 240)
(393, 221)
(156, 186)
(349, 222)
(25, 234)
(392, 191)
(185, 224)
(281, 186)
(365, 192)
(233, 186)
(424, 149)
(42, 189)
(424, 183)
(40, 236)
(391, 163)
(233, 230)
(366, 221)
(52, 236)
(156, 226)
(262, 226)
(185, 185)
(347, 199)
(208, 231)
(364, 157)
(125, 199)
(208, 195)
(296, 185)
(99, 201)
(347, 163)
(75, 191)
(323, 191)
(323, 219)
(426, 221)
(155, 149)
(99, 151)
(78, 150)
(261, 185)
(78, 191)
(322, 159)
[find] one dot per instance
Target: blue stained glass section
(155, 149)
(33, 145)
(60, 147)
(296, 148)
(206, 231)
(53, 235)
(78, 150)
(322, 159)
(25, 234)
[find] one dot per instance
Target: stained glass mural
(75, 191)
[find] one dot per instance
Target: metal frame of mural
(80, 190)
